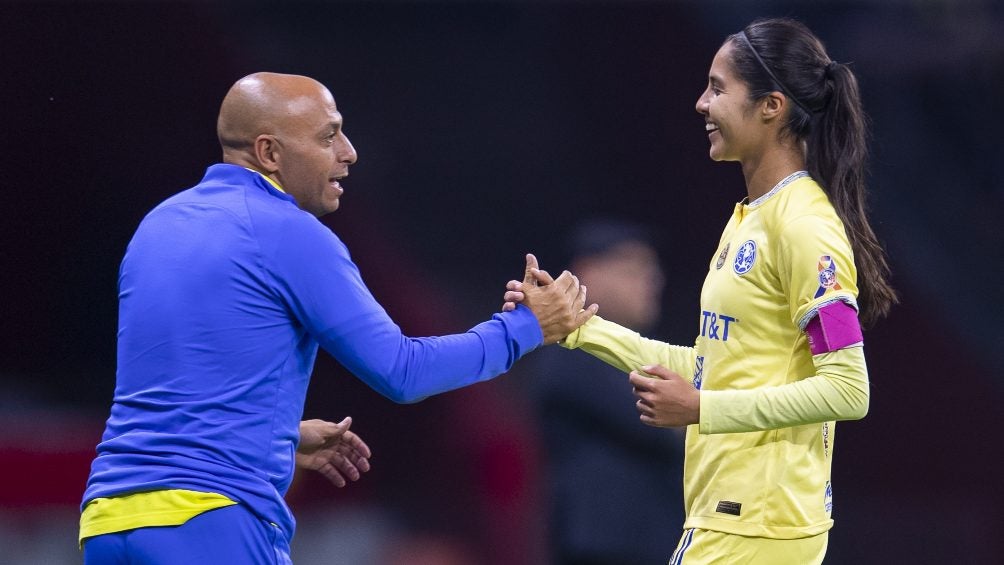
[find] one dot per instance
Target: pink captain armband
(835, 327)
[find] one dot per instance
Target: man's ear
(773, 105)
(266, 151)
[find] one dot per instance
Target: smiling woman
(729, 117)
(779, 357)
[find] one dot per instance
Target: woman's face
(730, 121)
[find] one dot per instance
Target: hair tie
(742, 36)
(831, 67)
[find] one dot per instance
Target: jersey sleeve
(323, 289)
(838, 391)
(816, 267)
(627, 350)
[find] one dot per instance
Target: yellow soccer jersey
(758, 464)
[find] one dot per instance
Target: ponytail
(837, 157)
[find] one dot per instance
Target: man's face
(314, 153)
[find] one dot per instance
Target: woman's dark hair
(783, 55)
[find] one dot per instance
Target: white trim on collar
(777, 187)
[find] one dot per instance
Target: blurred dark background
(484, 131)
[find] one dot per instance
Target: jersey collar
(777, 187)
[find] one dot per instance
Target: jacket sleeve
(323, 290)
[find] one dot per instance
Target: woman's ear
(773, 105)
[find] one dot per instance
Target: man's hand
(332, 450)
(667, 400)
(557, 303)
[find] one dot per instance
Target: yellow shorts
(705, 547)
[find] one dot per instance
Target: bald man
(226, 291)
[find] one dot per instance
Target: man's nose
(346, 152)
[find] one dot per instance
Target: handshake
(557, 303)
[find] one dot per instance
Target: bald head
(287, 128)
(265, 103)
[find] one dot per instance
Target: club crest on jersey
(827, 268)
(721, 258)
(745, 257)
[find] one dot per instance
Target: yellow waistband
(144, 509)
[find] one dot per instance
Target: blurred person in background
(608, 476)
